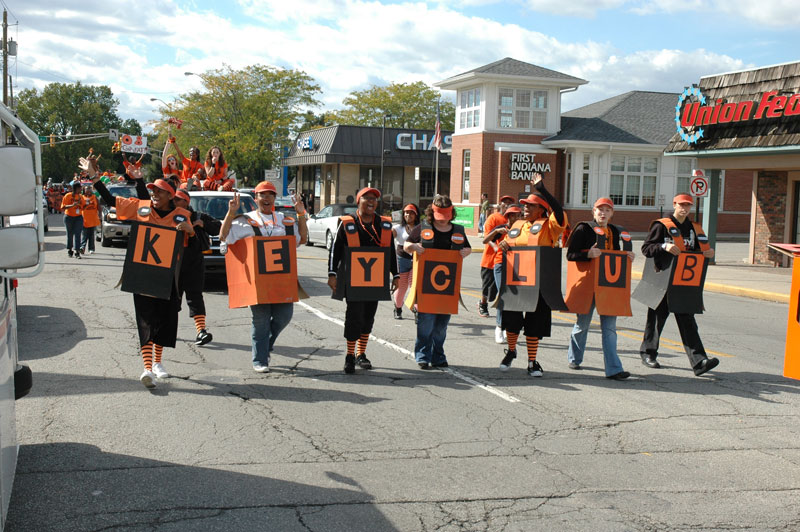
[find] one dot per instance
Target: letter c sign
(439, 278)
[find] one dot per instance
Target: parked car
(322, 226)
(30, 219)
(215, 204)
(112, 229)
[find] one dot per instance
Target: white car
(215, 204)
(30, 219)
(322, 226)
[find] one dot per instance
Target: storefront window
(465, 174)
(585, 180)
(633, 180)
(469, 109)
(568, 199)
(522, 109)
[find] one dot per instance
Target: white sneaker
(505, 337)
(148, 378)
(159, 370)
(499, 336)
(260, 368)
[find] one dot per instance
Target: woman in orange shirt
(216, 171)
(190, 165)
(91, 219)
(72, 205)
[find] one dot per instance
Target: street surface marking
(457, 374)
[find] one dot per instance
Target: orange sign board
(791, 360)
(436, 281)
(261, 270)
(154, 246)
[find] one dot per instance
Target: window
(465, 178)
(522, 109)
(469, 108)
(633, 180)
(568, 198)
(585, 180)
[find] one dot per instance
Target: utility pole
(5, 57)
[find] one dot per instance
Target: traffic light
(52, 140)
(115, 147)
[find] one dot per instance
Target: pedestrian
(368, 229)
(543, 210)
(484, 212)
(91, 219)
(72, 205)
(432, 327)
(668, 238)
(192, 277)
(268, 319)
(156, 319)
(409, 220)
(495, 227)
(583, 247)
(311, 203)
(216, 171)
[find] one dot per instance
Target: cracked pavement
(308, 448)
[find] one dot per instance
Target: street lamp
(383, 147)
(159, 100)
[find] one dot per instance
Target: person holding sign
(156, 315)
(360, 261)
(494, 230)
(438, 281)
(586, 243)
(269, 319)
(543, 222)
(667, 240)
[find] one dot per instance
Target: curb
(737, 291)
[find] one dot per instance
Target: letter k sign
(154, 246)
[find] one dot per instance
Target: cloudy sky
(141, 48)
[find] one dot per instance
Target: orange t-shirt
(91, 217)
(189, 169)
(488, 258)
(219, 172)
(72, 211)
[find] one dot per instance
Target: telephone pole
(5, 57)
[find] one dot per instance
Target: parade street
(395, 448)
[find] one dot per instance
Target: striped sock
(351, 347)
(362, 343)
(200, 322)
(147, 355)
(512, 340)
(533, 347)
(157, 350)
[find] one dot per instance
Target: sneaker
(91, 252)
(77, 254)
(573, 365)
(442, 365)
(398, 313)
(706, 365)
(499, 336)
(483, 309)
(83, 250)
(534, 369)
(511, 354)
(203, 337)
(505, 337)
(349, 364)
(159, 370)
(424, 365)
(69, 252)
(363, 362)
(148, 378)
(258, 367)
(621, 376)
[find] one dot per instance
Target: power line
(9, 10)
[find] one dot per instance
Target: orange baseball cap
(683, 198)
(513, 210)
(367, 190)
(183, 194)
(163, 185)
(534, 199)
(266, 186)
(411, 208)
(604, 201)
(503, 198)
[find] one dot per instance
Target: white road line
(455, 373)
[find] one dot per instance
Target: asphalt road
(306, 447)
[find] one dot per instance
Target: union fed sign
(694, 112)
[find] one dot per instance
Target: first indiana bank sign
(694, 112)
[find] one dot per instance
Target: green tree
(409, 104)
(65, 109)
(248, 113)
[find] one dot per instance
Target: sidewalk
(730, 275)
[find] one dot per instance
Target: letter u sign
(612, 270)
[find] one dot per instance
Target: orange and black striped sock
(362, 343)
(533, 347)
(157, 350)
(147, 355)
(200, 322)
(512, 340)
(351, 347)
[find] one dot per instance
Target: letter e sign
(273, 256)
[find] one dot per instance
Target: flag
(437, 136)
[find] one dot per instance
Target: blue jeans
(481, 221)
(577, 341)
(498, 278)
(74, 227)
(269, 319)
(88, 238)
(431, 334)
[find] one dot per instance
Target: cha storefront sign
(523, 165)
(694, 112)
(420, 141)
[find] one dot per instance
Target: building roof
(362, 145)
(636, 117)
(759, 134)
(507, 67)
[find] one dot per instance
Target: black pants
(157, 319)
(359, 318)
(537, 324)
(656, 318)
(488, 288)
(191, 283)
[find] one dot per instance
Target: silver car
(322, 226)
